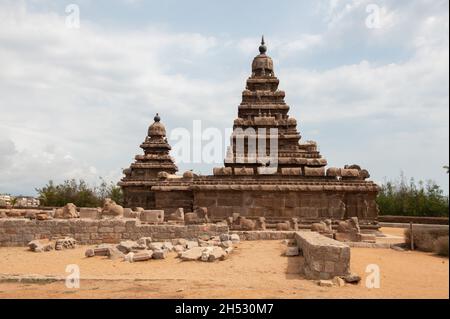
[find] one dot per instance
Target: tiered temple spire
(156, 156)
(263, 107)
(144, 171)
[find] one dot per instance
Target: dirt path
(255, 270)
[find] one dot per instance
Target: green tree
(79, 193)
(412, 198)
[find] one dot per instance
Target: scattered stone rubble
(346, 231)
(39, 246)
(205, 248)
(340, 281)
(43, 245)
(65, 243)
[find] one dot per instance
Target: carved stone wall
(272, 204)
(172, 200)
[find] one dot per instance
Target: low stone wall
(414, 220)
(19, 232)
(264, 235)
(325, 258)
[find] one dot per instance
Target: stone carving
(199, 216)
(67, 212)
(324, 227)
(188, 175)
(346, 172)
(362, 173)
(246, 224)
(348, 230)
(163, 175)
(202, 214)
(261, 223)
(129, 213)
(111, 209)
(178, 215)
(284, 226)
(349, 226)
(294, 223)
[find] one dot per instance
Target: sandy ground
(255, 270)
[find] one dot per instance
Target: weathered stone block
(291, 171)
(90, 213)
(106, 230)
(320, 255)
(159, 254)
(350, 173)
(316, 172)
(222, 171)
(152, 216)
(243, 171)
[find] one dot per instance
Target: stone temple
(254, 183)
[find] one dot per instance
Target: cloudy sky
(368, 80)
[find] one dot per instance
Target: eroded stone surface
(39, 246)
(325, 258)
(65, 243)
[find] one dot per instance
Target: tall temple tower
(263, 109)
(143, 173)
(268, 170)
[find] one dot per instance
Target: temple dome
(292, 121)
(157, 128)
(262, 64)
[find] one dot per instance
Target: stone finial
(157, 118)
(262, 47)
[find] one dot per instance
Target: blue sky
(76, 103)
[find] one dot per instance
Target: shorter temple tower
(143, 173)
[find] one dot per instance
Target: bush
(78, 193)
(412, 199)
(425, 238)
(441, 246)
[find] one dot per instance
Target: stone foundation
(325, 258)
(19, 232)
